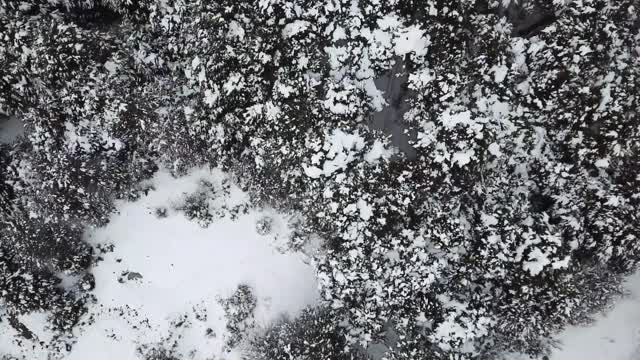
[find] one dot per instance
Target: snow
(339, 34)
(312, 171)
(211, 97)
(11, 343)
(186, 268)
(294, 28)
(236, 30)
(614, 335)
(10, 129)
(450, 120)
(378, 151)
(37, 323)
(494, 149)
(164, 271)
(500, 73)
(462, 158)
(365, 210)
(488, 220)
(341, 149)
(412, 40)
(234, 83)
(111, 67)
(195, 62)
(602, 163)
(537, 261)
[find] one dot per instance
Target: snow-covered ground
(10, 129)
(615, 334)
(162, 281)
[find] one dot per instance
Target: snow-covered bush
(312, 335)
(196, 207)
(264, 225)
(161, 212)
(158, 352)
(239, 311)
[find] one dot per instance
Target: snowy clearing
(614, 335)
(163, 279)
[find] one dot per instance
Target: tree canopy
(517, 189)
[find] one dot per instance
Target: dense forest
(472, 166)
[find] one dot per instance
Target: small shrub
(264, 225)
(161, 212)
(196, 207)
(313, 335)
(239, 310)
(149, 352)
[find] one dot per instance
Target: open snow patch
(614, 335)
(10, 129)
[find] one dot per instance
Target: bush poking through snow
(161, 212)
(239, 311)
(196, 207)
(88, 282)
(157, 353)
(264, 225)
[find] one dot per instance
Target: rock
(134, 276)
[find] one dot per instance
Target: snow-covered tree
(521, 181)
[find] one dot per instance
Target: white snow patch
(236, 30)
(378, 151)
(537, 261)
(295, 28)
(12, 344)
(602, 163)
(412, 39)
(500, 73)
(111, 67)
(615, 335)
(450, 120)
(340, 148)
(462, 158)
(211, 97)
(10, 129)
(494, 149)
(366, 210)
(184, 270)
(488, 220)
(312, 171)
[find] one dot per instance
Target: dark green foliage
(157, 353)
(516, 211)
(196, 207)
(312, 335)
(239, 311)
